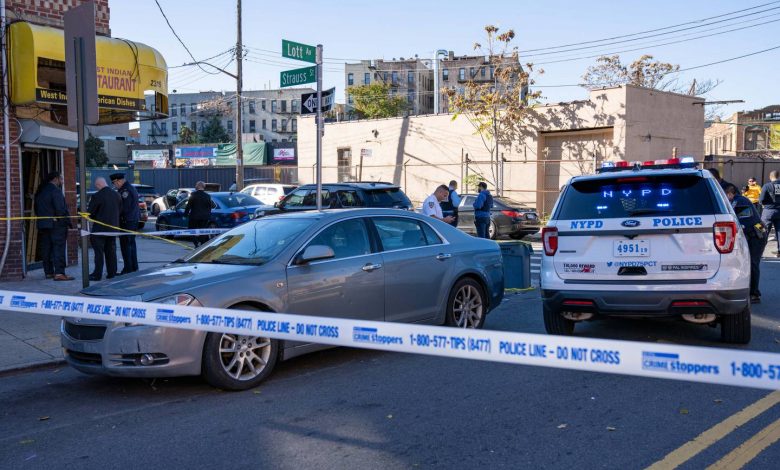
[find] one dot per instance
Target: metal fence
(738, 170)
(169, 178)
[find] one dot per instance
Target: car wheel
(492, 230)
(736, 328)
(556, 324)
(466, 306)
(155, 209)
(237, 362)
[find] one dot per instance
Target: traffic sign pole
(319, 126)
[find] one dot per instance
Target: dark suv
(341, 196)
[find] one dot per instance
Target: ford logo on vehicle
(630, 223)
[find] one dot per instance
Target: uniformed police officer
(756, 234)
(450, 205)
(104, 207)
(770, 199)
(129, 217)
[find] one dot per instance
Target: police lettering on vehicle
(677, 222)
(586, 224)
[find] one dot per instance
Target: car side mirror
(315, 253)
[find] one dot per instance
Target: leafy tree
(374, 101)
(95, 150)
(187, 136)
(496, 108)
(214, 132)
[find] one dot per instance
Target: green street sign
(298, 51)
(298, 76)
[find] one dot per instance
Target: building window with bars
(366, 78)
(273, 125)
(350, 79)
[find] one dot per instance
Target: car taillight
(725, 235)
(238, 215)
(512, 214)
(550, 240)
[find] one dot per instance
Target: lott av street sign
(309, 101)
(298, 76)
(298, 51)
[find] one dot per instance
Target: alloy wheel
(467, 307)
(244, 357)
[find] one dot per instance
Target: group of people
(758, 209)
(444, 202)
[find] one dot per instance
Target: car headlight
(177, 299)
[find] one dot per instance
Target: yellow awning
(126, 72)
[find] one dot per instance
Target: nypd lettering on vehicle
(670, 362)
(586, 224)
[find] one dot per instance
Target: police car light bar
(622, 165)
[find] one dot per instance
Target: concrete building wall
(564, 140)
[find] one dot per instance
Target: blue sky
(351, 30)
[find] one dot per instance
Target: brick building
(40, 139)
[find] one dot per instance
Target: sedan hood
(167, 280)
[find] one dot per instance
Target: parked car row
(227, 211)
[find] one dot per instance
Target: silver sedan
(372, 264)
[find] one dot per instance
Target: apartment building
(409, 78)
(267, 115)
(456, 71)
(745, 133)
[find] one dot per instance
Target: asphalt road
(348, 408)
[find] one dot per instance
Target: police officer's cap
(117, 176)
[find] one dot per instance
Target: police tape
(665, 361)
(161, 233)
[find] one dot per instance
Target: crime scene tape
(696, 364)
(162, 233)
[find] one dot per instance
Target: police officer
(770, 199)
(482, 207)
(756, 236)
(432, 205)
(450, 205)
(104, 207)
(129, 217)
(52, 226)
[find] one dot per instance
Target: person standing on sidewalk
(104, 207)
(770, 199)
(482, 207)
(450, 205)
(753, 192)
(53, 228)
(199, 211)
(129, 217)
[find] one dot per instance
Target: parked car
(341, 196)
(227, 211)
(372, 264)
(269, 193)
(658, 239)
(147, 193)
(507, 218)
(174, 196)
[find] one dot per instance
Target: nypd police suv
(646, 239)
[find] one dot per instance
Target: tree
(187, 136)
(214, 133)
(374, 101)
(497, 108)
(609, 71)
(95, 150)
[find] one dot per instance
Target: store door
(36, 164)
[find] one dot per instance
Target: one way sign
(309, 101)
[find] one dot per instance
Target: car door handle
(443, 256)
(371, 267)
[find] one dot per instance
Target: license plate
(632, 248)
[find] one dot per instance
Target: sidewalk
(29, 340)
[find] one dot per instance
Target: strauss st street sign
(298, 76)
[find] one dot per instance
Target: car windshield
(253, 243)
(237, 200)
(619, 197)
(390, 197)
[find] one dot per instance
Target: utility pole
(319, 126)
(239, 104)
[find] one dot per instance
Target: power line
(180, 41)
(649, 31)
(229, 51)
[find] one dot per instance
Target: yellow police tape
(86, 216)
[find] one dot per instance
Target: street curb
(32, 366)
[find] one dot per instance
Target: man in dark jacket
(482, 207)
(199, 211)
(129, 217)
(53, 229)
(770, 200)
(104, 207)
(756, 235)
